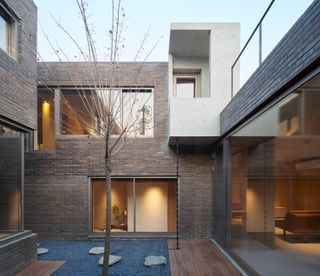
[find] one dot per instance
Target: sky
(156, 16)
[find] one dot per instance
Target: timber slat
(198, 257)
(41, 268)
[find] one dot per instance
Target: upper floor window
(186, 86)
(84, 111)
(8, 33)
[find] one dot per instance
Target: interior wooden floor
(198, 257)
(41, 268)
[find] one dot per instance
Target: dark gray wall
(17, 254)
(295, 52)
(18, 78)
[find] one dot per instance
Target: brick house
(240, 169)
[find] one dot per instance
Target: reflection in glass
(4, 34)
(10, 181)
(84, 111)
(275, 186)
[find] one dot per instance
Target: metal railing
(260, 43)
(258, 27)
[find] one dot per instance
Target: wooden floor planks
(198, 257)
(41, 268)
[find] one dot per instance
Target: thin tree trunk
(108, 214)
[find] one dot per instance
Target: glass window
(78, 116)
(132, 111)
(155, 205)
(186, 86)
(10, 181)
(143, 205)
(8, 33)
(4, 34)
(275, 184)
(122, 205)
(46, 119)
(137, 111)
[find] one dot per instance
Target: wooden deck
(41, 268)
(198, 258)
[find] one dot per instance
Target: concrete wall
(193, 117)
(18, 79)
(56, 184)
(224, 49)
(201, 117)
(296, 54)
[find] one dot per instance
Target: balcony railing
(273, 25)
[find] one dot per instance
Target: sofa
(300, 221)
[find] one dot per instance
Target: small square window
(186, 86)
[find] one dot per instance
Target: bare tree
(113, 114)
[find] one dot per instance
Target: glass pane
(275, 183)
(122, 205)
(137, 108)
(155, 205)
(186, 87)
(4, 34)
(10, 181)
(84, 111)
(77, 114)
(46, 119)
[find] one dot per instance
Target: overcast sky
(157, 15)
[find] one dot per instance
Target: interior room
(138, 205)
(275, 183)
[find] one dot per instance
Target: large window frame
(227, 170)
(133, 233)
(57, 111)
(122, 90)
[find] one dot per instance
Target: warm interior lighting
(48, 135)
(91, 132)
(308, 165)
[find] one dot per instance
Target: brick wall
(295, 52)
(18, 79)
(56, 183)
(17, 254)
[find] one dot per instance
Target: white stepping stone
(41, 251)
(96, 250)
(112, 260)
(153, 261)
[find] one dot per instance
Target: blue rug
(80, 262)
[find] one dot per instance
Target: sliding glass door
(138, 205)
